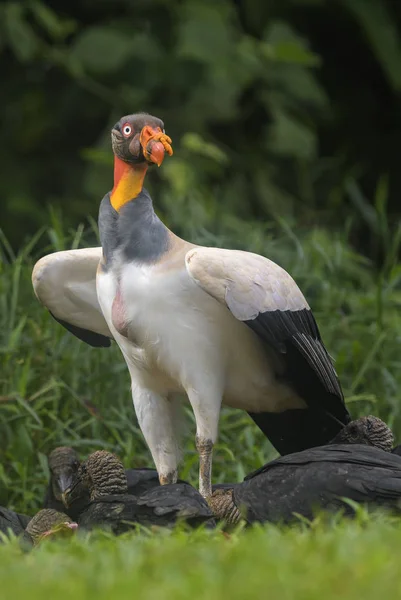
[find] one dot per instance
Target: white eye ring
(127, 130)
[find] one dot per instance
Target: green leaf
(381, 30)
(282, 44)
(101, 49)
(195, 143)
(98, 156)
(290, 137)
(297, 84)
(360, 202)
(56, 27)
(290, 52)
(205, 31)
(20, 34)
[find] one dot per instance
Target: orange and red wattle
(154, 144)
(128, 182)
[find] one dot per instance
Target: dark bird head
(63, 465)
(140, 138)
(48, 522)
(103, 474)
(370, 430)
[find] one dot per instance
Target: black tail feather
(297, 429)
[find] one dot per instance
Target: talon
(222, 505)
(169, 478)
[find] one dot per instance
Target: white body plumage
(175, 337)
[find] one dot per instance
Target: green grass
(346, 560)
(56, 390)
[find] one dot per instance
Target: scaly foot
(169, 478)
(222, 505)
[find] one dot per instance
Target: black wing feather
(179, 499)
(97, 340)
(297, 331)
(12, 520)
(309, 370)
(320, 478)
(357, 454)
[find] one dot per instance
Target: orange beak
(154, 144)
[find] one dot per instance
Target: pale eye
(127, 129)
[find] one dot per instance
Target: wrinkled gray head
(370, 430)
(63, 465)
(49, 522)
(103, 474)
(131, 135)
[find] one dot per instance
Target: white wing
(248, 284)
(267, 299)
(65, 283)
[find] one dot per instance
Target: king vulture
(224, 326)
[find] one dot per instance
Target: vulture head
(140, 138)
(48, 522)
(370, 430)
(63, 465)
(102, 474)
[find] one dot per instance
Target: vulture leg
(207, 412)
(156, 419)
(204, 447)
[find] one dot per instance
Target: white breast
(178, 336)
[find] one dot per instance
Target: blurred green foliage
(283, 108)
(56, 390)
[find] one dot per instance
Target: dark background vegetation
(285, 117)
(289, 107)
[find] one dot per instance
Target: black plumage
(163, 506)
(308, 368)
(50, 500)
(96, 340)
(63, 464)
(142, 480)
(12, 521)
(138, 481)
(112, 507)
(319, 478)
